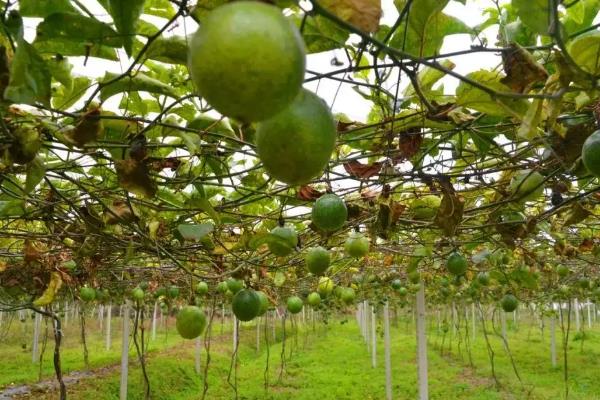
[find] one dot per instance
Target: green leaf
(321, 34)
(171, 50)
(35, 173)
(43, 8)
(585, 51)
(125, 14)
(159, 8)
(476, 99)
(429, 77)
(266, 238)
(427, 28)
(29, 77)
(77, 28)
(71, 48)
(64, 97)
(140, 82)
(195, 232)
(168, 197)
(204, 204)
(279, 279)
(529, 126)
(581, 15)
(12, 208)
(60, 69)
(534, 13)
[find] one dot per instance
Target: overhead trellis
(120, 170)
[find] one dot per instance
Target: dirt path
(48, 387)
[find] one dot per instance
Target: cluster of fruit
(248, 62)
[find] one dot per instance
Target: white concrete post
(125, 352)
(388, 352)
(373, 337)
(108, 324)
(422, 345)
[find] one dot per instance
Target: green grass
(333, 363)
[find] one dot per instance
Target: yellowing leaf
(528, 129)
(363, 14)
(50, 293)
(135, 178)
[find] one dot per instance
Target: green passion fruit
(357, 245)
(509, 303)
(247, 60)
(295, 145)
(294, 304)
(234, 285)
(325, 287)
(329, 213)
(264, 303)
(289, 241)
(425, 207)
(246, 304)
(313, 299)
(190, 322)
(137, 294)
(317, 260)
(527, 185)
(87, 294)
(457, 264)
(201, 288)
(590, 153)
(348, 295)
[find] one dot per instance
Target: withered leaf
(308, 193)
(158, 164)
(522, 70)
(119, 212)
(363, 14)
(88, 129)
(450, 213)
(577, 213)
(586, 245)
(134, 177)
(359, 170)
(410, 143)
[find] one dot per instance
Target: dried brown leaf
(522, 70)
(363, 14)
(308, 193)
(362, 171)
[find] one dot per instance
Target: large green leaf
(172, 50)
(71, 48)
(77, 28)
(35, 173)
(125, 14)
(195, 232)
(140, 82)
(64, 97)
(476, 99)
(43, 8)
(320, 34)
(427, 28)
(585, 51)
(580, 15)
(534, 13)
(29, 77)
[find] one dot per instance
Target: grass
(333, 363)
